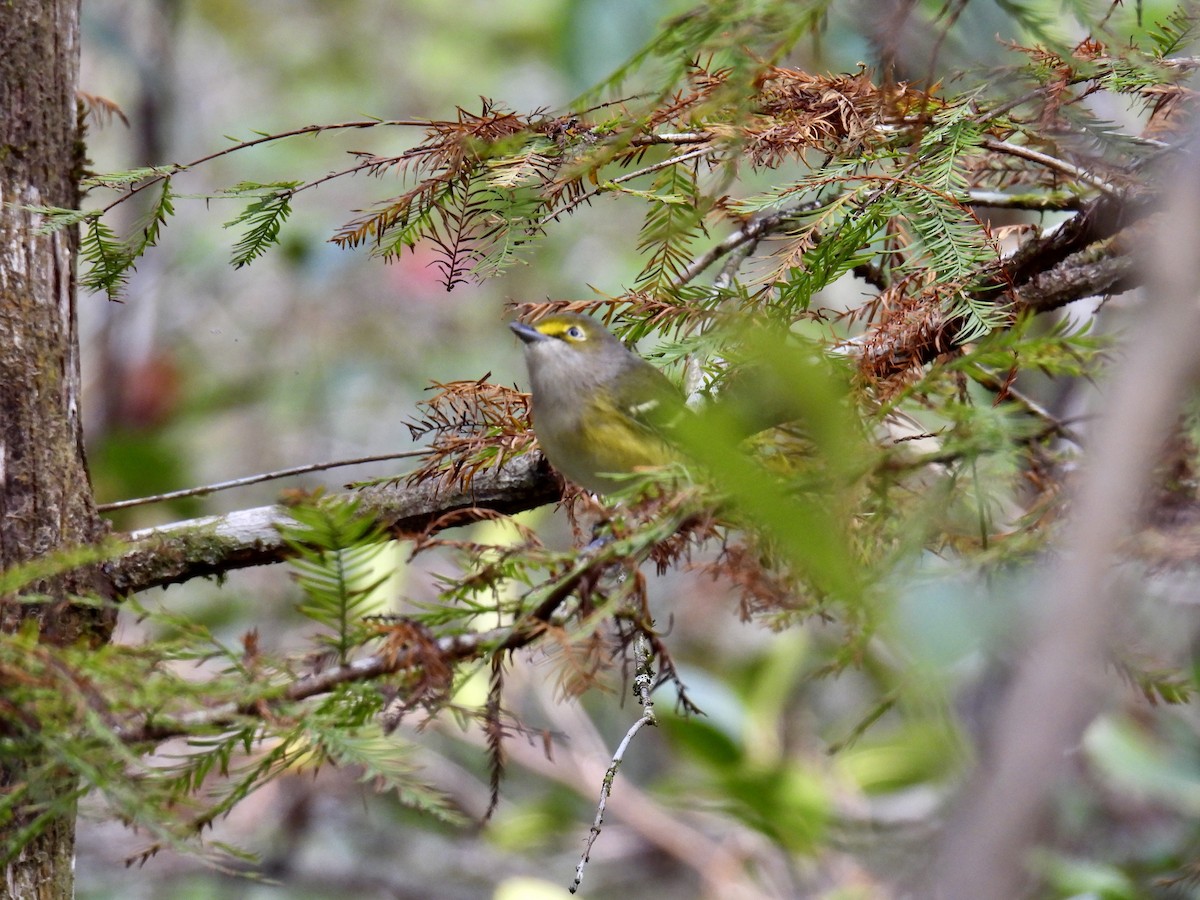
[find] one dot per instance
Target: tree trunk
(45, 497)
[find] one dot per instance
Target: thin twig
(1053, 201)
(253, 479)
(340, 173)
(176, 168)
(1053, 425)
(739, 246)
(683, 137)
(643, 681)
(449, 649)
(750, 233)
(606, 186)
(723, 859)
(1050, 162)
(1012, 104)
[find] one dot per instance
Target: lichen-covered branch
(214, 545)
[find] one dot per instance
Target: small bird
(598, 409)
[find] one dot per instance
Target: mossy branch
(214, 545)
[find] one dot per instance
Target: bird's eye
(575, 333)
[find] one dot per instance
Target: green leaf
(110, 260)
(156, 218)
(1176, 32)
(674, 222)
(263, 218)
(336, 549)
(56, 219)
(385, 763)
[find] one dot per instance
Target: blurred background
(315, 353)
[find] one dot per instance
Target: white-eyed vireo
(598, 409)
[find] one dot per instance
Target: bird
(598, 409)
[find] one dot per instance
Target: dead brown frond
(1004, 172)
(1168, 107)
(799, 111)
(530, 311)
(911, 321)
(580, 660)
(463, 178)
(427, 678)
(430, 537)
(474, 425)
(488, 182)
(101, 110)
(1185, 877)
(679, 547)
(703, 87)
(762, 589)
(585, 511)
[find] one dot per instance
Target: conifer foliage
(869, 265)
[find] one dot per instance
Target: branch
(1086, 257)
(254, 479)
(1050, 162)
(176, 168)
(1036, 201)
(642, 683)
(759, 225)
(528, 628)
(607, 186)
(1098, 270)
(450, 649)
(214, 545)
(1051, 424)
(682, 137)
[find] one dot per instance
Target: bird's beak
(527, 333)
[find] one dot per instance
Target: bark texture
(45, 497)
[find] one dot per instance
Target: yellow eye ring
(575, 333)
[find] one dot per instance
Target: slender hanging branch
(452, 648)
